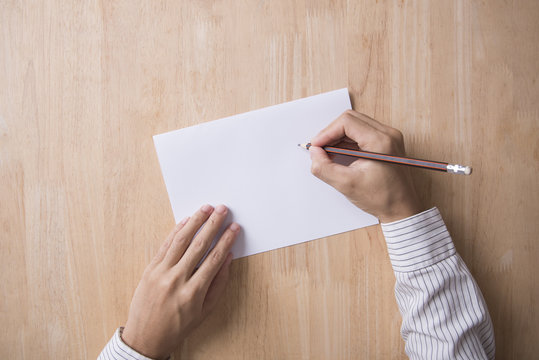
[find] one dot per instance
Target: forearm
(444, 313)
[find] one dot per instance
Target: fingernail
(234, 227)
(184, 221)
(206, 208)
(221, 209)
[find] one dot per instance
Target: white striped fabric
(444, 315)
(116, 349)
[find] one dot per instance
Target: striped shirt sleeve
(116, 349)
(444, 315)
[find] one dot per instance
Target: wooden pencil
(424, 164)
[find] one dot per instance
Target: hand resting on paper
(172, 298)
(383, 190)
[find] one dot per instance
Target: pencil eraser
(468, 170)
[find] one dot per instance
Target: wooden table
(85, 84)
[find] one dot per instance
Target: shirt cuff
(418, 241)
(117, 349)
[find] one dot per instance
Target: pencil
(424, 164)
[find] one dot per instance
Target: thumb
(326, 170)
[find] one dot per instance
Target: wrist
(138, 344)
(131, 348)
(401, 210)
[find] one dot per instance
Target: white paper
(251, 163)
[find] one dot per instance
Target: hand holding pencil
(383, 190)
(392, 159)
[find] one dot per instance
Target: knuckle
(150, 276)
(177, 243)
(349, 115)
(346, 185)
(215, 219)
(316, 169)
(395, 134)
(165, 283)
(198, 245)
(178, 240)
(398, 135)
(216, 257)
(227, 238)
(199, 217)
(385, 141)
(343, 117)
(187, 293)
(392, 142)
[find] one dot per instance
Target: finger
(166, 244)
(383, 128)
(215, 259)
(367, 119)
(202, 241)
(217, 287)
(185, 235)
(347, 140)
(346, 125)
(387, 130)
(329, 172)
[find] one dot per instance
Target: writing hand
(172, 298)
(383, 190)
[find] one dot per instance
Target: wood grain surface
(85, 84)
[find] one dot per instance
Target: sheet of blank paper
(251, 163)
